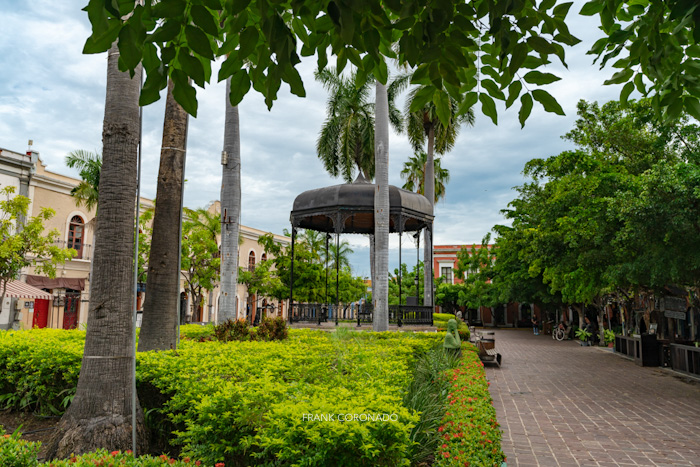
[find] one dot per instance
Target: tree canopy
(475, 52)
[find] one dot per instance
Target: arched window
(251, 261)
(76, 235)
(263, 257)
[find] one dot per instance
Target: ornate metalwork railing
(308, 312)
(321, 313)
(411, 314)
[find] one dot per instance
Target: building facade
(70, 289)
(445, 262)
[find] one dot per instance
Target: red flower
(439, 429)
(446, 454)
(198, 463)
(219, 464)
(444, 446)
(114, 453)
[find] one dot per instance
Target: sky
(54, 95)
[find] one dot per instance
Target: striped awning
(21, 289)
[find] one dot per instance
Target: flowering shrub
(15, 452)
(470, 432)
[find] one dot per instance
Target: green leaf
(292, 77)
(639, 83)
(249, 40)
(525, 109)
(548, 102)
(513, 92)
(184, 93)
(442, 107)
(238, 5)
(169, 9)
(625, 93)
(692, 106)
(191, 66)
(240, 85)
(492, 89)
(129, 50)
(621, 76)
(488, 107)
(591, 8)
(205, 20)
(469, 100)
(422, 97)
(198, 41)
(381, 72)
(155, 82)
(539, 78)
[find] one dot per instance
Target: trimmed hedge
(245, 402)
(471, 435)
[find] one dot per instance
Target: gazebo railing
(411, 314)
(363, 314)
(308, 312)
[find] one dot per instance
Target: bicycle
(560, 334)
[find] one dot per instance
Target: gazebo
(349, 208)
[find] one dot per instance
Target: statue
(452, 341)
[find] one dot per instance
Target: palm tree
(315, 241)
(423, 125)
(414, 174)
(342, 252)
(160, 320)
(100, 415)
(89, 164)
(346, 142)
(380, 284)
(230, 211)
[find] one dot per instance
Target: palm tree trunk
(160, 320)
(380, 295)
(230, 212)
(100, 414)
(429, 184)
(372, 256)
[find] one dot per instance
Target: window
(263, 257)
(76, 232)
(446, 271)
(251, 261)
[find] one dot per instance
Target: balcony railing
(85, 252)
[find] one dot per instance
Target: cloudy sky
(52, 94)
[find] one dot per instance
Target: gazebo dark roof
(350, 207)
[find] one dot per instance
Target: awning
(20, 289)
(42, 282)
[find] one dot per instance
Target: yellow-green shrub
(39, 368)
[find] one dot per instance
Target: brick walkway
(562, 404)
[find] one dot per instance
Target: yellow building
(70, 288)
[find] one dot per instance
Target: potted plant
(609, 337)
(583, 336)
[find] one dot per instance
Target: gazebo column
(337, 275)
(432, 275)
(291, 277)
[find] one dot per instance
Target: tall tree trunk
(230, 212)
(160, 319)
(429, 184)
(100, 414)
(380, 290)
(372, 256)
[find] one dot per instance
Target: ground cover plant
(253, 402)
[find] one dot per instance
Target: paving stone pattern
(560, 404)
